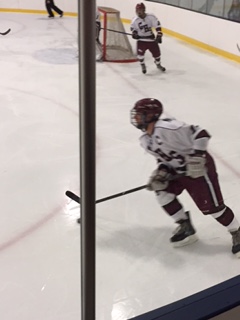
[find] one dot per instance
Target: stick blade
(72, 196)
(5, 33)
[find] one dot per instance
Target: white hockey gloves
(159, 179)
(196, 166)
(135, 35)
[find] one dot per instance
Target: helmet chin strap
(144, 124)
(142, 127)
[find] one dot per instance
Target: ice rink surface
(137, 269)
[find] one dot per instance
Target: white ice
(137, 269)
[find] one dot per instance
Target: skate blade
(185, 242)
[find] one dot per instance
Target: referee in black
(50, 5)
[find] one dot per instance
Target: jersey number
(172, 155)
(144, 27)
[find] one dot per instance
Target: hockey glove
(135, 35)
(159, 37)
(196, 166)
(159, 179)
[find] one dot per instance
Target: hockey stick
(5, 33)
(122, 32)
(238, 47)
(77, 199)
(129, 34)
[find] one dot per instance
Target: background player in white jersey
(98, 43)
(98, 25)
(183, 164)
(141, 27)
(99, 54)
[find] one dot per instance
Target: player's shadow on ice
(57, 56)
(157, 75)
(153, 244)
(44, 18)
(167, 73)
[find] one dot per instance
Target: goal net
(116, 46)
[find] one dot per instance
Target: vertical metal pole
(87, 93)
(224, 7)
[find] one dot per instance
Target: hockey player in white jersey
(183, 164)
(99, 55)
(141, 27)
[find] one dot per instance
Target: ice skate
(236, 243)
(159, 66)
(99, 51)
(144, 69)
(99, 58)
(184, 234)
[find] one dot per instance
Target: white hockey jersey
(173, 140)
(97, 15)
(144, 26)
